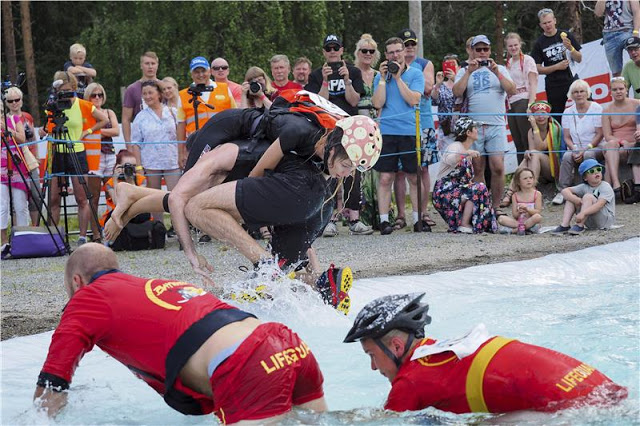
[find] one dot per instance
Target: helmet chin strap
(387, 352)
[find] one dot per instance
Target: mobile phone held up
(335, 66)
(449, 65)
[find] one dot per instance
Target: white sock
(384, 218)
(415, 217)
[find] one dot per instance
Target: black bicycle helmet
(394, 312)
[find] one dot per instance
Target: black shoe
(635, 198)
(171, 233)
(385, 228)
(425, 227)
(205, 239)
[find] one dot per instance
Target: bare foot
(111, 230)
(124, 199)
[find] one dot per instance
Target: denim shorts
(613, 42)
(491, 139)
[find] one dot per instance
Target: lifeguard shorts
(271, 371)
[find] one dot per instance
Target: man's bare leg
(130, 201)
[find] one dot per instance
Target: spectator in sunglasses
(592, 202)
(335, 80)
(552, 52)
(220, 72)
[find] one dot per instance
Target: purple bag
(35, 241)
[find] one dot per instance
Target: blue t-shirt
(426, 119)
(486, 95)
(401, 119)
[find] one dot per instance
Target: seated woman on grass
(526, 204)
(464, 205)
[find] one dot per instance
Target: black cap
(632, 42)
(332, 39)
(408, 35)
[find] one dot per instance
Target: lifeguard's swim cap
(394, 312)
(362, 140)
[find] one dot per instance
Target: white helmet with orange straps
(362, 140)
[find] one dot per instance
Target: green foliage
(248, 33)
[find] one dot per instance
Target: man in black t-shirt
(551, 52)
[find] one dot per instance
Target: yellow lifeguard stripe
(475, 376)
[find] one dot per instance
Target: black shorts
(393, 144)
(63, 163)
(294, 203)
(225, 126)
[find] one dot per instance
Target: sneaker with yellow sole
(334, 285)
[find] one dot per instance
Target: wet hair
(518, 173)
(367, 39)
(88, 91)
(66, 78)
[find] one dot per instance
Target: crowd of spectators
(385, 83)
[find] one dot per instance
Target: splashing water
(584, 304)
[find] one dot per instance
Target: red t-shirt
(290, 85)
(135, 320)
(518, 377)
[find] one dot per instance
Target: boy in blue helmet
(592, 202)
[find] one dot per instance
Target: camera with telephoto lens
(128, 171)
(484, 63)
(393, 67)
(255, 87)
(199, 89)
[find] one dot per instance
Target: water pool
(585, 304)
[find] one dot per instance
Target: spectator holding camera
(397, 90)
(154, 129)
(84, 121)
(124, 170)
(442, 97)
(337, 81)
(96, 94)
(280, 70)
(257, 91)
(487, 86)
(78, 66)
(217, 95)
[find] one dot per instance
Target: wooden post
(29, 60)
(498, 44)
(415, 23)
(575, 19)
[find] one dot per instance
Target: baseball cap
(480, 39)
(632, 42)
(408, 35)
(587, 165)
(332, 39)
(199, 62)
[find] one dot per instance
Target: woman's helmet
(362, 140)
(463, 124)
(394, 312)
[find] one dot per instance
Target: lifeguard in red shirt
(476, 373)
(200, 353)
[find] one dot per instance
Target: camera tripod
(195, 92)
(62, 149)
(14, 159)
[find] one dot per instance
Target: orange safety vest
(218, 98)
(91, 142)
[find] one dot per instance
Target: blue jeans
(614, 45)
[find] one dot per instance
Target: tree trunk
(575, 19)
(29, 60)
(415, 23)
(498, 36)
(9, 40)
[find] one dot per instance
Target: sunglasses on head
(593, 170)
(12, 101)
(221, 67)
(369, 51)
(333, 47)
(97, 95)
(482, 49)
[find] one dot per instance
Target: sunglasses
(410, 43)
(221, 67)
(369, 51)
(594, 170)
(482, 49)
(13, 101)
(97, 95)
(333, 47)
